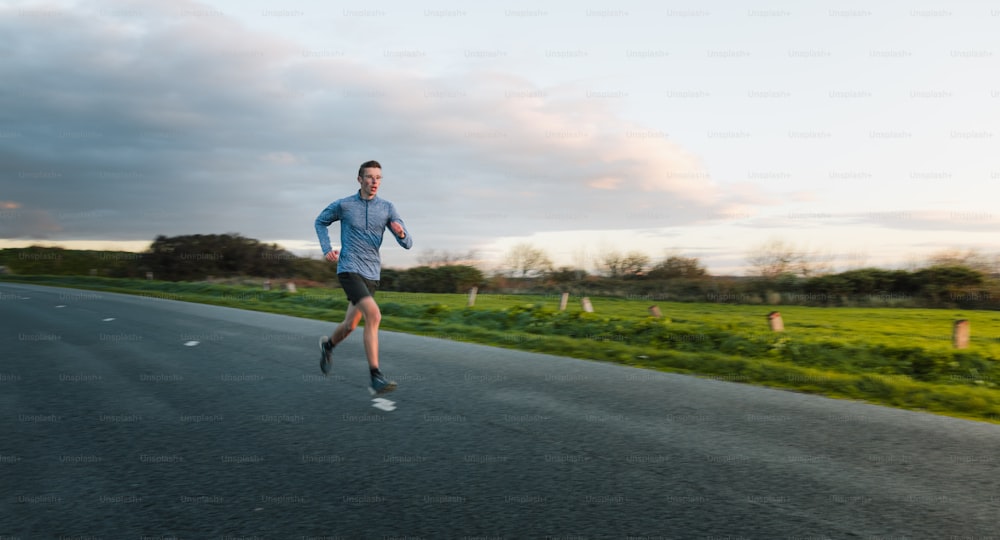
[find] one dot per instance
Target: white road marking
(109, 319)
(61, 305)
(384, 404)
(191, 343)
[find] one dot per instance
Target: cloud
(30, 224)
(903, 220)
(606, 182)
(930, 220)
(126, 123)
(282, 158)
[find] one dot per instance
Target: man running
(363, 219)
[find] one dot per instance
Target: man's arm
(325, 219)
(398, 229)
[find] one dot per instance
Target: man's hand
(333, 255)
(397, 229)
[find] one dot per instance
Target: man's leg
(373, 317)
(351, 319)
(368, 309)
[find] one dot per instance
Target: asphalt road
(116, 424)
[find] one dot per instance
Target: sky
(863, 134)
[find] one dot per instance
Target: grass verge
(872, 365)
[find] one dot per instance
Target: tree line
(200, 257)
(779, 275)
(177, 258)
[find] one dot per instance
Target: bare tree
(527, 260)
(581, 258)
(971, 258)
(774, 258)
(435, 258)
(610, 263)
(676, 266)
(634, 263)
(777, 257)
(614, 264)
(816, 263)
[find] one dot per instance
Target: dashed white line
(191, 343)
(384, 404)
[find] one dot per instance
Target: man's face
(370, 179)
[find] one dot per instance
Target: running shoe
(326, 354)
(381, 385)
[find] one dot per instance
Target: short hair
(368, 164)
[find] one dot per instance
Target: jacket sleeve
(323, 220)
(406, 242)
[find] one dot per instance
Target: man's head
(369, 176)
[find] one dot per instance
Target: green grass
(898, 357)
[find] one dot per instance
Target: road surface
(140, 417)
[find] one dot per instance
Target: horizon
(702, 132)
(989, 264)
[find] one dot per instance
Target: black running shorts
(357, 286)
